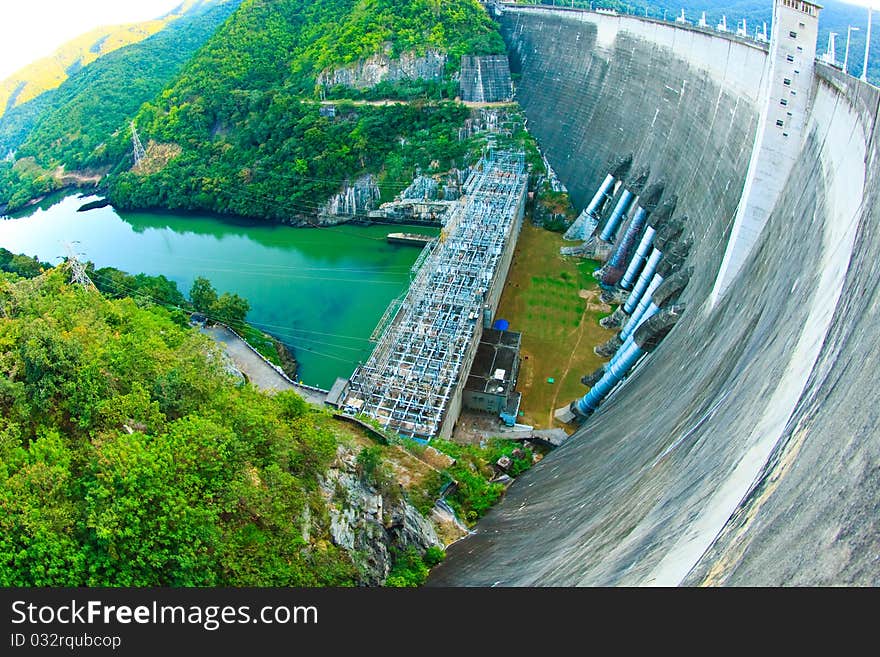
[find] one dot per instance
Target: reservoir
(321, 291)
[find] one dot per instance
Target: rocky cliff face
(370, 523)
(355, 199)
(381, 68)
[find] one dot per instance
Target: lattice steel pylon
(78, 275)
(137, 147)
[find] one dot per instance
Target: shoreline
(235, 219)
(250, 219)
(70, 201)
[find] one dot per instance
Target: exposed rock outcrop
(423, 188)
(381, 68)
(371, 523)
(288, 361)
(355, 199)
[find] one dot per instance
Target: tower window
(786, 82)
(779, 122)
(793, 34)
(790, 58)
(783, 101)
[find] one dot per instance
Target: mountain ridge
(247, 104)
(47, 73)
(67, 126)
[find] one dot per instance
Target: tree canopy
(238, 129)
(128, 457)
(73, 124)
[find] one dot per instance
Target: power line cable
(364, 270)
(132, 292)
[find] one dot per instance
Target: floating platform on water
(408, 238)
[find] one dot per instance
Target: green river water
(321, 291)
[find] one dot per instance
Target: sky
(31, 29)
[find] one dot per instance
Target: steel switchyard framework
(413, 380)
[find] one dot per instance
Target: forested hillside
(128, 457)
(69, 127)
(241, 132)
(280, 159)
(70, 122)
(362, 29)
(288, 42)
(47, 73)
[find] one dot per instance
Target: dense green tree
(72, 124)
(229, 309)
(203, 295)
(144, 288)
(159, 289)
(129, 457)
(38, 515)
(239, 130)
(25, 266)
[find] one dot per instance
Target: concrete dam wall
(745, 449)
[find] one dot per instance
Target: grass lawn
(554, 301)
(259, 341)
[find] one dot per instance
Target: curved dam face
(745, 449)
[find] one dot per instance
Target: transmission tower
(137, 146)
(78, 275)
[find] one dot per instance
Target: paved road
(258, 371)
